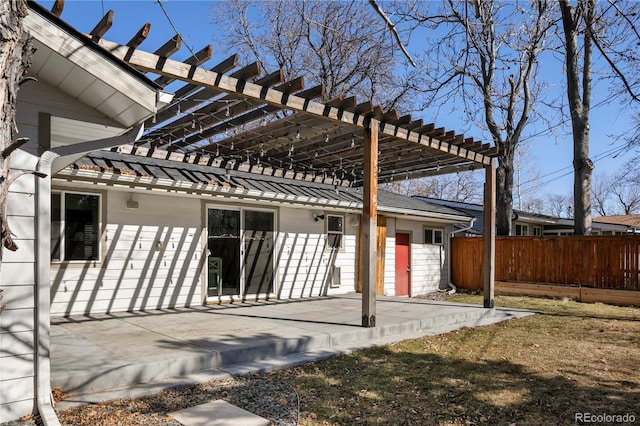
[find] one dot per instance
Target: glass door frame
(242, 266)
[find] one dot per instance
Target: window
(522, 230)
(335, 231)
(336, 275)
(433, 236)
(75, 226)
(537, 231)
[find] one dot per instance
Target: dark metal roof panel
(195, 173)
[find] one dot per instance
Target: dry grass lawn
(540, 370)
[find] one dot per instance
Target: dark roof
(473, 210)
(155, 168)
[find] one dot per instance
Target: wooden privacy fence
(605, 262)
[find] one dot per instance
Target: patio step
(260, 354)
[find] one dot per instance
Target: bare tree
(534, 205)
(618, 193)
(483, 59)
(342, 45)
(612, 31)
(525, 175)
(559, 205)
(628, 196)
(464, 187)
(15, 54)
(601, 194)
(625, 188)
(578, 21)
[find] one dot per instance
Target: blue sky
(552, 157)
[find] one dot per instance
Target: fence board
(608, 262)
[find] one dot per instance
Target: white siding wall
(152, 259)
(18, 269)
(18, 277)
(303, 261)
(135, 274)
(18, 282)
(429, 267)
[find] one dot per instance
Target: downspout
(451, 288)
(44, 396)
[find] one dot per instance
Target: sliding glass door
(240, 245)
(223, 243)
(258, 248)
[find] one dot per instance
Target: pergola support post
(489, 235)
(369, 223)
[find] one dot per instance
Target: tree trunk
(582, 168)
(579, 98)
(504, 195)
(15, 53)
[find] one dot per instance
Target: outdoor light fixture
(132, 204)
(318, 217)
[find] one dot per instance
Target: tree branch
(615, 68)
(14, 145)
(392, 28)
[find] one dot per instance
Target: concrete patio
(138, 352)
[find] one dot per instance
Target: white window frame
(523, 226)
(241, 209)
(329, 232)
(433, 239)
(61, 236)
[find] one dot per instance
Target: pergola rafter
(237, 119)
(216, 117)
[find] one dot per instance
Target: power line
(175, 29)
(613, 152)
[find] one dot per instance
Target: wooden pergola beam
(197, 59)
(236, 114)
(103, 26)
(140, 36)
(57, 8)
(249, 71)
(226, 65)
(489, 235)
(370, 224)
(342, 102)
(170, 47)
(191, 74)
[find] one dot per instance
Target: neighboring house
(630, 221)
(534, 224)
(115, 231)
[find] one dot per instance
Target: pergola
(232, 117)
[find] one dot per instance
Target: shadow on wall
(143, 267)
(158, 267)
(305, 267)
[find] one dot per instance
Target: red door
(403, 264)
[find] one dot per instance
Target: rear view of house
(242, 187)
